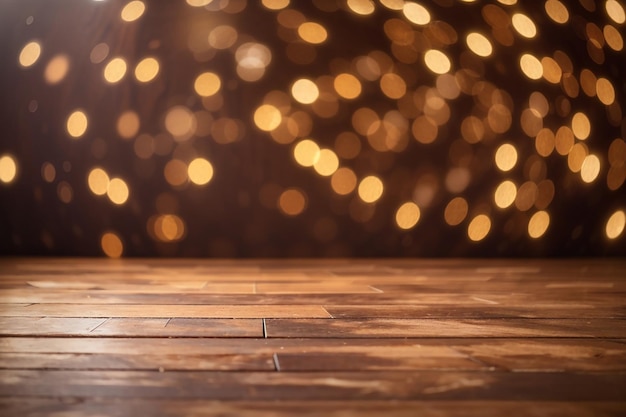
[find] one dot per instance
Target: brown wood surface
(93, 337)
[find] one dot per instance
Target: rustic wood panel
(121, 407)
(143, 327)
(402, 337)
(489, 310)
(446, 328)
(390, 385)
(154, 362)
(165, 311)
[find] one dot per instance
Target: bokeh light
(29, 54)
(200, 171)
(77, 124)
(407, 215)
(147, 69)
(115, 70)
(615, 224)
(8, 169)
(279, 128)
(111, 245)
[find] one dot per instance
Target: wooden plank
(387, 385)
(161, 363)
(489, 310)
(120, 407)
(100, 283)
(177, 327)
(444, 301)
(438, 328)
(48, 326)
(328, 286)
(163, 311)
(138, 327)
(376, 360)
(554, 355)
(511, 354)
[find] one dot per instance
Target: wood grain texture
(123, 407)
(158, 337)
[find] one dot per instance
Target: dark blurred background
(312, 129)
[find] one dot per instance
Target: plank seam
(276, 362)
(103, 321)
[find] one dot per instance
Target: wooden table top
(180, 337)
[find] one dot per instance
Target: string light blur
(328, 128)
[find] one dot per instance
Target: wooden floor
(95, 337)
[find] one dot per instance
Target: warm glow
(479, 44)
(506, 157)
(200, 171)
(456, 211)
(479, 228)
(77, 124)
(312, 32)
(613, 38)
(505, 194)
(223, 37)
(327, 163)
(437, 61)
(180, 121)
(407, 215)
(615, 224)
(115, 70)
(590, 168)
(146, 70)
(538, 224)
(531, 66)
(117, 191)
(343, 181)
(524, 25)
(581, 126)
(347, 86)
(207, 84)
(416, 13)
(98, 181)
(128, 124)
(292, 202)
(133, 10)
(252, 60)
(551, 70)
(112, 245)
(362, 7)
(605, 91)
(199, 3)
(370, 189)
(615, 11)
(57, 69)
(275, 4)
(557, 11)
(392, 85)
(168, 228)
(305, 91)
(8, 169)
(30, 54)
(306, 153)
(175, 172)
(267, 117)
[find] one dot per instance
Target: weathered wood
(315, 386)
(162, 311)
(121, 407)
(438, 328)
(160, 362)
(143, 327)
(342, 337)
